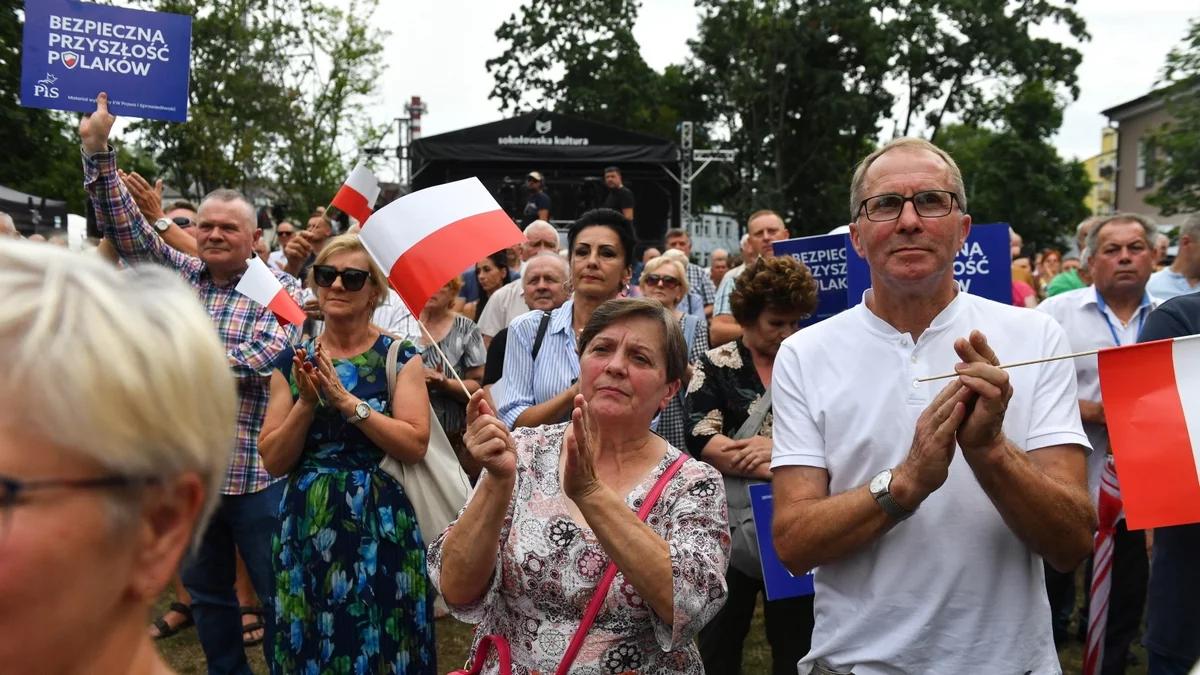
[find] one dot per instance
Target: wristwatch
(361, 412)
(162, 224)
(880, 489)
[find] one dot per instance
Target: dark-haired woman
(730, 427)
(539, 385)
(491, 273)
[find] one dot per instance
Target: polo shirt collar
(944, 318)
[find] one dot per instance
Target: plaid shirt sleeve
(256, 356)
(121, 220)
(701, 283)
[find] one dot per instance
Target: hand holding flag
(262, 286)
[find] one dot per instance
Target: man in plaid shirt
(246, 516)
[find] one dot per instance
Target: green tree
(965, 59)
(1177, 167)
(798, 87)
(41, 156)
(1014, 175)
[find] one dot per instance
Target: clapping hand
(95, 128)
(488, 439)
(980, 373)
(148, 198)
(579, 473)
(305, 375)
(331, 385)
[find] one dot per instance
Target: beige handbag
(436, 486)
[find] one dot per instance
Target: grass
(183, 652)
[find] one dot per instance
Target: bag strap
(758, 414)
(541, 335)
(389, 366)
(610, 572)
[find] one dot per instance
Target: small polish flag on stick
(261, 285)
(425, 238)
(357, 196)
(1152, 405)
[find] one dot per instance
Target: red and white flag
(425, 238)
(1109, 514)
(357, 196)
(262, 286)
(1152, 405)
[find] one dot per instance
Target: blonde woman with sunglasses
(351, 583)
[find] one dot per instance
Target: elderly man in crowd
(509, 301)
(252, 338)
(544, 288)
(698, 280)
(762, 230)
(1183, 276)
(929, 553)
(284, 233)
(1110, 313)
(718, 265)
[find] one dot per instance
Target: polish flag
(357, 196)
(1152, 404)
(262, 286)
(426, 238)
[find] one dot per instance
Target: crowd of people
(610, 410)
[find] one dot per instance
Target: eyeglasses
(284, 233)
(928, 204)
(12, 489)
(352, 279)
(660, 280)
(182, 221)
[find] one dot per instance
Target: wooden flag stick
(445, 361)
(946, 376)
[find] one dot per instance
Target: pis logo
(45, 88)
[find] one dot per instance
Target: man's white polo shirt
(1087, 324)
(506, 304)
(951, 589)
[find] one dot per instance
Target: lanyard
(1101, 306)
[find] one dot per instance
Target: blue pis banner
(825, 257)
(74, 50)
(982, 267)
(779, 583)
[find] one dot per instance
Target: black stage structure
(570, 153)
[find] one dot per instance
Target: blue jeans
(248, 522)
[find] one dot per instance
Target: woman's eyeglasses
(352, 279)
(13, 490)
(182, 221)
(660, 280)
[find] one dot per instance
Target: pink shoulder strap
(610, 572)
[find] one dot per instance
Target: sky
(437, 49)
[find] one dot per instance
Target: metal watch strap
(891, 506)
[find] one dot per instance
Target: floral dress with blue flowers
(352, 594)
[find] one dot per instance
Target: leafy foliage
(803, 89)
(1177, 168)
(1014, 175)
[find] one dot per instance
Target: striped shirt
(557, 362)
(252, 336)
(700, 283)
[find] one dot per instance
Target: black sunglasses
(182, 221)
(352, 279)
(659, 280)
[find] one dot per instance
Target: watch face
(362, 410)
(881, 481)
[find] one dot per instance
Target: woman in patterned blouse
(557, 502)
(768, 302)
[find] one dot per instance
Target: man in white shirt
(545, 276)
(284, 232)
(1183, 276)
(762, 230)
(508, 302)
(1110, 313)
(930, 550)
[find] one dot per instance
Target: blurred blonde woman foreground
(117, 415)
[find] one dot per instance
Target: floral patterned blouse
(549, 567)
(724, 387)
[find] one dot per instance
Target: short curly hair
(781, 283)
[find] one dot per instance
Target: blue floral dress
(352, 592)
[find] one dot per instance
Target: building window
(1145, 164)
